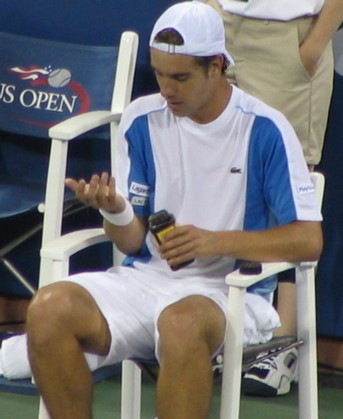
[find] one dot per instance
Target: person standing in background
(283, 55)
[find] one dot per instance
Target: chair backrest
(66, 131)
(45, 82)
(42, 83)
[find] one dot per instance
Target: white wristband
(122, 218)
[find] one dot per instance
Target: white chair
(72, 128)
(55, 256)
(305, 339)
(51, 267)
(235, 354)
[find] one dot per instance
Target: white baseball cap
(200, 26)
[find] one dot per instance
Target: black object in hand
(160, 223)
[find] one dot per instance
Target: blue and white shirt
(243, 171)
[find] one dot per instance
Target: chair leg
(43, 413)
(131, 391)
(233, 352)
(306, 311)
(52, 270)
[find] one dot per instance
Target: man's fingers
(104, 191)
(100, 192)
(72, 184)
(111, 191)
(103, 188)
(93, 187)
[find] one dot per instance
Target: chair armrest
(65, 246)
(80, 124)
(236, 279)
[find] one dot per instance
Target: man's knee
(190, 323)
(51, 307)
(55, 298)
(66, 310)
(178, 322)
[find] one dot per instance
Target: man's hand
(310, 57)
(186, 242)
(99, 193)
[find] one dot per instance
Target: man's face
(184, 84)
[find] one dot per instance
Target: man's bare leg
(190, 331)
(287, 309)
(63, 321)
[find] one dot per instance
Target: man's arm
(295, 242)
(128, 239)
(313, 46)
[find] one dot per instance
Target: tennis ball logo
(59, 77)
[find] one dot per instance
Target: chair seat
(18, 196)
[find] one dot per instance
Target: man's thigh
(128, 310)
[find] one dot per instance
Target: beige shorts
(268, 66)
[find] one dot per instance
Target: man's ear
(217, 65)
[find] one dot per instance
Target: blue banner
(44, 82)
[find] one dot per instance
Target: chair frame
(306, 336)
(306, 331)
(52, 268)
(72, 128)
(57, 253)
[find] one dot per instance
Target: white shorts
(132, 300)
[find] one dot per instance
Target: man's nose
(167, 88)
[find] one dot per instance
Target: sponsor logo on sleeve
(139, 189)
(139, 201)
(306, 189)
